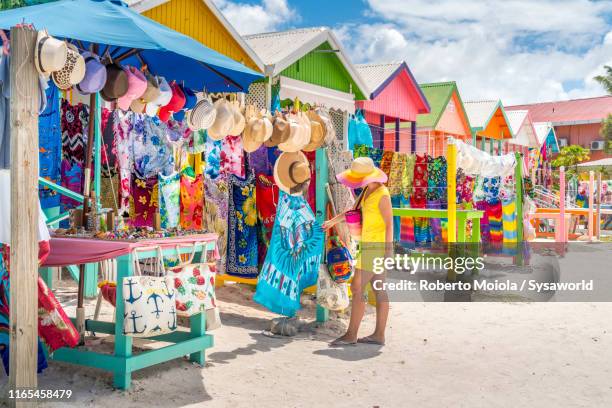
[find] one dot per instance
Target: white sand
(437, 355)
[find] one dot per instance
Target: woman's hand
(327, 225)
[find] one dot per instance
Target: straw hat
(150, 94)
(362, 172)
(165, 94)
(292, 172)
(317, 132)
(224, 120)
(330, 130)
(299, 134)
(253, 135)
(280, 131)
(202, 115)
(50, 53)
(116, 83)
(95, 75)
(239, 120)
(73, 70)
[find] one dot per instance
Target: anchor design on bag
(133, 318)
(156, 329)
(173, 313)
(132, 299)
(169, 291)
(157, 310)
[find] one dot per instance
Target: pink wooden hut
(395, 101)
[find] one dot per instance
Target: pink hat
(362, 172)
(137, 85)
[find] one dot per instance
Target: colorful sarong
(216, 205)
(192, 200)
(169, 200)
(242, 228)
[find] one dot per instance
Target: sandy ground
(437, 355)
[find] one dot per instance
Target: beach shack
(446, 118)
(395, 101)
(490, 125)
(525, 137)
(202, 21)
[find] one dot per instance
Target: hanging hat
(292, 172)
(150, 94)
(268, 126)
(176, 103)
(50, 53)
(253, 135)
(73, 70)
(330, 131)
(202, 115)
(190, 101)
(299, 134)
(137, 85)
(239, 121)
(362, 172)
(317, 132)
(116, 83)
(224, 121)
(280, 132)
(165, 94)
(95, 75)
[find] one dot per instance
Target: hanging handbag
(339, 260)
(353, 218)
(149, 301)
(331, 295)
(194, 285)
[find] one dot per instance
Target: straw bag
(194, 285)
(149, 301)
(331, 295)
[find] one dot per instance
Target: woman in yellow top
(376, 242)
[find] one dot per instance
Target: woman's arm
(386, 210)
(332, 222)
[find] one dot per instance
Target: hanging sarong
(213, 158)
(216, 211)
(169, 200)
(293, 259)
(192, 200)
(50, 147)
(267, 200)
(145, 199)
(242, 228)
(232, 156)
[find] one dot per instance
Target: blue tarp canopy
(120, 30)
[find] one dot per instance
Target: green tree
(606, 80)
(570, 156)
(606, 133)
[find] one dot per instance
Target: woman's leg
(382, 308)
(357, 307)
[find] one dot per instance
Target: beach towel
(242, 244)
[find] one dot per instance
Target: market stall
(156, 84)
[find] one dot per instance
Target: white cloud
(516, 50)
(267, 15)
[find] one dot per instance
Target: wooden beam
(382, 132)
(413, 132)
(397, 134)
(24, 213)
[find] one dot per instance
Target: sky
(519, 51)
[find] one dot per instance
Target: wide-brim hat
(137, 85)
(292, 172)
(224, 120)
(73, 70)
(362, 172)
(150, 94)
(202, 115)
(239, 120)
(317, 132)
(165, 94)
(254, 133)
(95, 75)
(176, 103)
(50, 53)
(299, 135)
(190, 102)
(281, 131)
(116, 83)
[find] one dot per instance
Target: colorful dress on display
(436, 193)
(418, 199)
(152, 154)
(50, 147)
(232, 156)
(494, 213)
(311, 196)
(386, 161)
(74, 125)
(216, 210)
(267, 199)
(293, 259)
(192, 200)
(361, 150)
(195, 143)
(484, 222)
(213, 158)
(145, 197)
(258, 161)
(169, 199)
(124, 153)
(242, 228)
(509, 224)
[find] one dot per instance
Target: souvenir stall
(447, 118)
(541, 157)
(489, 123)
(156, 85)
(395, 101)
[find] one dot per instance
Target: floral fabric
(123, 151)
(152, 156)
(242, 228)
(361, 150)
(232, 156)
(212, 167)
(195, 142)
(194, 288)
(398, 162)
(169, 200)
(72, 179)
(465, 186)
(216, 211)
(408, 176)
(258, 161)
(267, 199)
(192, 200)
(418, 199)
(436, 178)
(145, 201)
(293, 259)
(386, 161)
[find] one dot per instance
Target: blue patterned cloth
(50, 147)
(5, 315)
(242, 228)
(293, 258)
(213, 158)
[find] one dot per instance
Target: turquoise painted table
(122, 362)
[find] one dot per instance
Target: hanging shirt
(232, 156)
(50, 147)
(169, 200)
(145, 196)
(192, 200)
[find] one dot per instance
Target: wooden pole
(413, 133)
(598, 217)
(591, 203)
(24, 213)
(451, 178)
(518, 175)
(397, 134)
(561, 224)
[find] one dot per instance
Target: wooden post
(591, 204)
(382, 132)
(413, 132)
(518, 175)
(98, 149)
(451, 177)
(321, 206)
(598, 217)
(24, 213)
(397, 134)
(561, 223)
